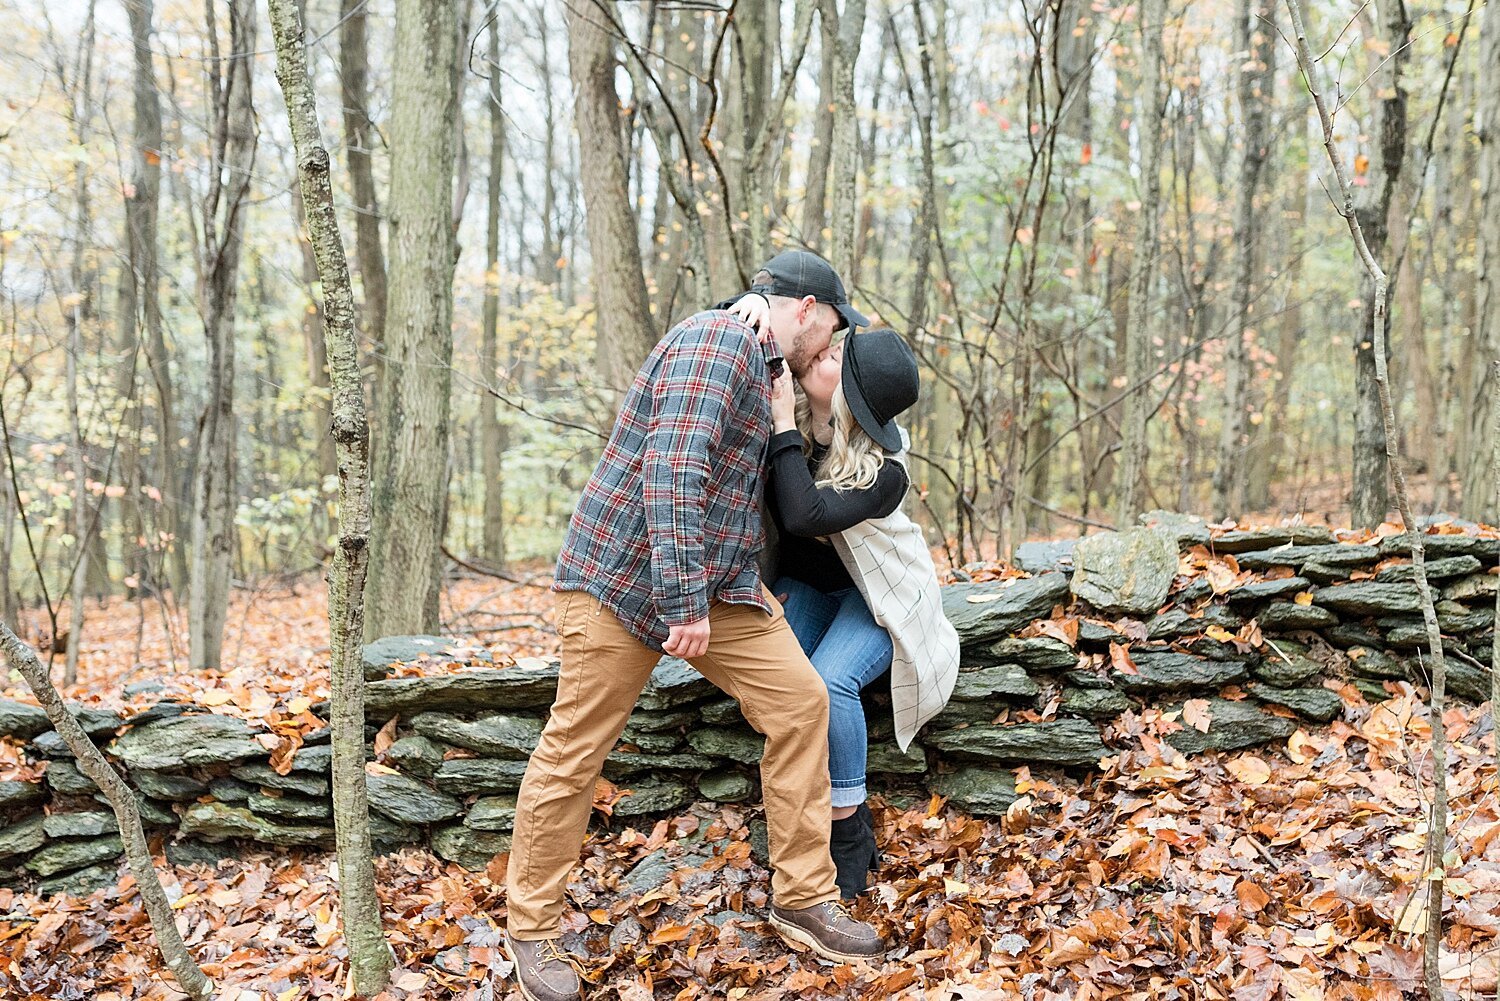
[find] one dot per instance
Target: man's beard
(799, 358)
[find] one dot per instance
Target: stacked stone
(463, 739)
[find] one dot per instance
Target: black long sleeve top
(804, 511)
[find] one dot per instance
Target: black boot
(863, 813)
(852, 845)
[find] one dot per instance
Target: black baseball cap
(880, 381)
(798, 273)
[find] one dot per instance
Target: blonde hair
(854, 458)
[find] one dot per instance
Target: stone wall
(1255, 647)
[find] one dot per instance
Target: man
(660, 555)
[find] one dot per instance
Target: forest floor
(1286, 872)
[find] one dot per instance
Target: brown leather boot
(829, 931)
(543, 971)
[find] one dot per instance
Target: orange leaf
(1119, 659)
(1252, 897)
(671, 933)
(1088, 154)
(1196, 714)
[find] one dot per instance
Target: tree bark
(626, 330)
(410, 474)
(492, 452)
(844, 153)
(814, 205)
(1256, 52)
(214, 480)
(1150, 99)
(359, 133)
(370, 955)
(91, 761)
(1478, 486)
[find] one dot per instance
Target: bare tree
(359, 137)
(410, 472)
(492, 432)
(1477, 492)
(844, 151)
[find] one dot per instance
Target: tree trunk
(359, 135)
(1371, 497)
(492, 452)
(1256, 77)
(1478, 485)
(626, 330)
(214, 480)
(844, 153)
(313, 348)
(1149, 113)
(410, 473)
(370, 955)
(814, 211)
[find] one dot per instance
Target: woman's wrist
(782, 426)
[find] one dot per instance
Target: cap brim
(852, 317)
(887, 435)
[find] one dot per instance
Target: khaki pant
(751, 656)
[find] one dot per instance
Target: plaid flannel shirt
(670, 521)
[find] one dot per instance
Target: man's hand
(688, 640)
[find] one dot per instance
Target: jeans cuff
(848, 795)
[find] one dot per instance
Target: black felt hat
(798, 273)
(880, 381)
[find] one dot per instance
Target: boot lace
(550, 951)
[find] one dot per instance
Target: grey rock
(381, 655)
(226, 789)
(1467, 681)
(622, 764)
(1186, 529)
(416, 755)
(725, 787)
(957, 713)
(1367, 662)
(80, 824)
(146, 686)
(1317, 704)
(174, 788)
(1088, 679)
(657, 868)
(1038, 653)
(1368, 598)
(153, 812)
(722, 712)
(985, 792)
(317, 760)
(1456, 617)
(386, 834)
(166, 709)
(492, 813)
(16, 796)
(1041, 557)
(1265, 538)
(1094, 703)
(643, 721)
(22, 837)
(1286, 666)
(1258, 590)
(64, 778)
(651, 741)
(760, 841)
(497, 735)
(1192, 592)
(1373, 691)
(408, 801)
(1063, 742)
(1322, 573)
(653, 798)
(1437, 547)
(674, 683)
(192, 852)
(265, 776)
(469, 848)
(742, 746)
(1127, 572)
(1006, 681)
(184, 741)
(462, 776)
(300, 809)
(17, 719)
(1475, 587)
(1452, 566)
(1001, 607)
(1233, 725)
(1333, 554)
(531, 687)
(1177, 672)
(1094, 634)
(1288, 617)
(886, 758)
(81, 882)
(1350, 634)
(217, 821)
(1406, 637)
(65, 856)
(1179, 622)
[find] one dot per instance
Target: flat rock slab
(991, 610)
(1232, 726)
(470, 848)
(65, 856)
(1042, 557)
(462, 776)
(164, 785)
(1290, 617)
(379, 656)
(1127, 572)
(1094, 703)
(1442, 546)
(1334, 554)
(1286, 666)
(16, 796)
(185, 741)
(885, 758)
(531, 687)
(217, 821)
(498, 735)
(743, 746)
(65, 778)
(408, 801)
(621, 764)
(675, 683)
(264, 775)
(1369, 598)
(492, 813)
(1063, 742)
(985, 792)
(81, 882)
(17, 719)
(1452, 566)
(653, 798)
(1037, 653)
(1169, 671)
(1180, 622)
(725, 786)
(1265, 538)
(23, 837)
(1475, 587)
(299, 809)
(1262, 590)
(1007, 681)
(80, 824)
(1317, 704)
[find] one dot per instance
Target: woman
(858, 584)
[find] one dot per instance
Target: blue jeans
(849, 649)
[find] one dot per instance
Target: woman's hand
(783, 403)
(755, 310)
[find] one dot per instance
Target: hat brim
(887, 435)
(852, 317)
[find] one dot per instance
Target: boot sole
(521, 984)
(794, 933)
